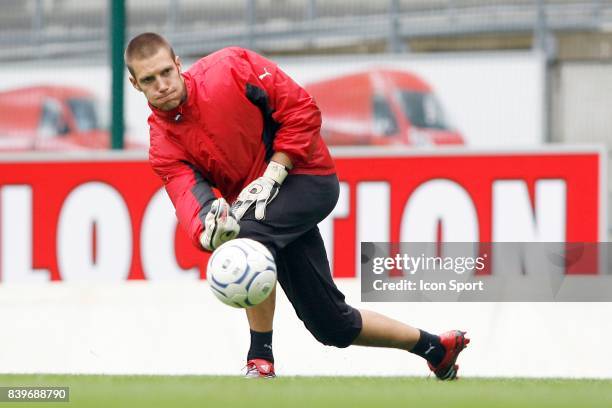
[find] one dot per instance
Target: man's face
(159, 78)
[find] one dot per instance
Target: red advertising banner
(80, 219)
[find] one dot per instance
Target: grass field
(206, 391)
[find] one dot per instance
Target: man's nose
(162, 86)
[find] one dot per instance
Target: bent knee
(336, 338)
(340, 332)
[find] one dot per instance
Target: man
(234, 121)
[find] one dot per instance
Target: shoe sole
(257, 375)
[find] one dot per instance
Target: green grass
(314, 392)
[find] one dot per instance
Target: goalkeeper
(236, 122)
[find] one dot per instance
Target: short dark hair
(143, 46)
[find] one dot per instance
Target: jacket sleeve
(296, 114)
(190, 193)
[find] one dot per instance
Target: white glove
(261, 191)
(220, 225)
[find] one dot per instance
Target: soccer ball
(241, 272)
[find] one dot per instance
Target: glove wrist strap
(276, 172)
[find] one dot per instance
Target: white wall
(180, 328)
(583, 100)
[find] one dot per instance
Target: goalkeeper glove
(260, 191)
(220, 225)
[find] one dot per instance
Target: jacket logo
(265, 74)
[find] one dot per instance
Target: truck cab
(51, 118)
(382, 107)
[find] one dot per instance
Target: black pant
(290, 232)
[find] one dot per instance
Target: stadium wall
(98, 314)
(581, 100)
(180, 328)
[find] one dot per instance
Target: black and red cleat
(259, 368)
(454, 342)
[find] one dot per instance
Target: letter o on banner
(157, 241)
(439, 200)
(101, 205)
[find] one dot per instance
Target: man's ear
(179, 63)
(134, 83)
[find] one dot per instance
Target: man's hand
(260, 191)
(220, 225)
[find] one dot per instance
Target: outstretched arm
(206, 218)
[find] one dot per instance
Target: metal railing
(32, 29)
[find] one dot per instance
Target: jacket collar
(184, 108)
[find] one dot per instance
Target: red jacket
(240, 109)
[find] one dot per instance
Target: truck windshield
(423, 110)
(85, 116)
